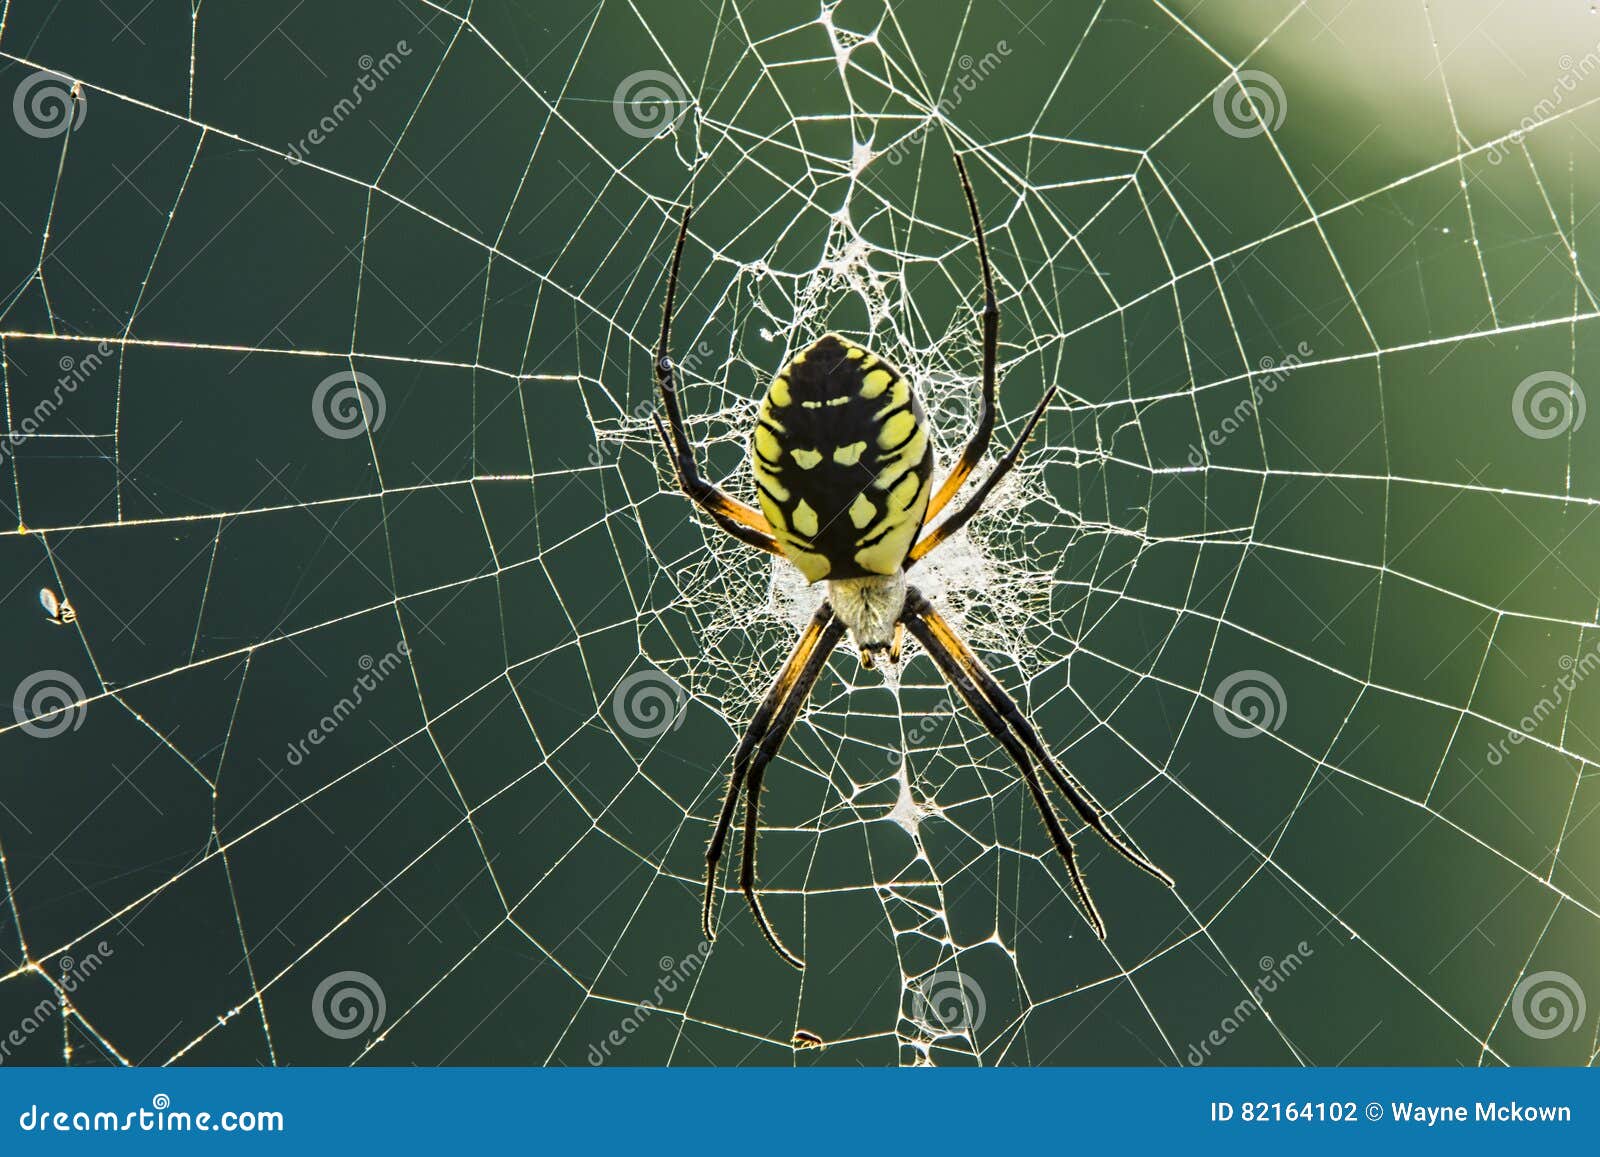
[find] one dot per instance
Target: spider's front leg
(749, 526)
(762, 739)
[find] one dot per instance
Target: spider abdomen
(842, 462)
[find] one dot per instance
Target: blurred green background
(1323, 321)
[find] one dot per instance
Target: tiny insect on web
(843, 469)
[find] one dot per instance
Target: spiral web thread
(965, 991)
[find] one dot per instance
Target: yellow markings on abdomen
(875, 383)
(779, 393)
(767, 445)
(883, 556)
(767, 416)
(806, 459)
(851, 454)
(862, 511)
(896, 430)
(805, 519)
(905, 491)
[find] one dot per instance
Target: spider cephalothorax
(843, 467)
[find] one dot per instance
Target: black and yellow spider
(843, 469)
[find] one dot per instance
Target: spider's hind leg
(762, 739)
(1005, 721)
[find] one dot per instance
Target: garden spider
(843, 470)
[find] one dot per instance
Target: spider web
(399, 684)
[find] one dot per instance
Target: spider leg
(959, 519)
(1088, 809)
(762, 739)
(743, 522)
(991, 344)
(956, 672)
(1001, 716)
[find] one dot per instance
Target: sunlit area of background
(369, 690)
